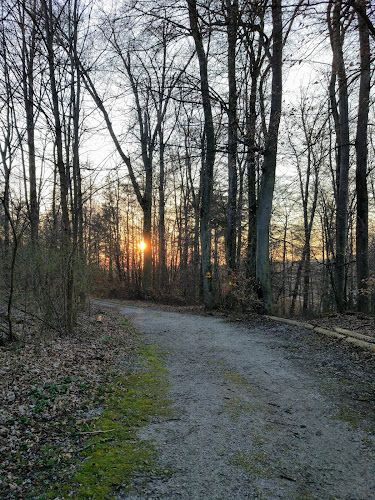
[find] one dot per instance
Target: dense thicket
(215, 151)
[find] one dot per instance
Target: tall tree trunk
(336, 36)
(64, 187)
(209, 160)
(77, 181)
(11, 335)
(196, 198)
(230, 240)
(116, 216)
(251, 180)
(269, 164)
(306, 278)
(362, 259)
(161, 225)
(6, 143)
(28, 57)
(147, 232)
(76, 104)
(297, 282)
(63, 177)
(239, 215)
(6, 200)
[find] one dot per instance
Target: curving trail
(261, 412)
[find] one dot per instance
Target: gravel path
(262, 411)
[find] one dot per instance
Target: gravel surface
(262, 411)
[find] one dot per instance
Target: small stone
(22, 409)
(11, 396)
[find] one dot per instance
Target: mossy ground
(254, 464)
(114, 453)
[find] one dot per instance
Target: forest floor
(51, 393)
(208, 406)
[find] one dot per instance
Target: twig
(284, 476)
(32, 315)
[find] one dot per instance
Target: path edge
(357, 339)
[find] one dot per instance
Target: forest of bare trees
(216, 151)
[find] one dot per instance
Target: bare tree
(232, 24)
(310, 153)
(340, 111)
(28, 54)
(151, 85)
(269, 164)
(209, 159)
(254, 57)
(362, 258)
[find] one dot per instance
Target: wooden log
(356, 335)
(361, 343)
(330, 333)
(291, 322)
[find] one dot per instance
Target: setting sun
(142, 245)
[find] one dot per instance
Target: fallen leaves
(49, 389)
(355, 322)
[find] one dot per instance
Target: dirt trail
(260, 413)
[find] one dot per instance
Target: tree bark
(147, 232)
(161, 225)
(28, 57)
(251, 178)
(50, 29)
(362, 258)
(11, 335)
(76, 105)
(269, 163)
(336, 37)
(209, 159)
(64, 186)
(232, 27)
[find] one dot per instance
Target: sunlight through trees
(217, 152)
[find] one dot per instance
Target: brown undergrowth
(356, 322)
(51, 387)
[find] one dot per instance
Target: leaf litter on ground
(51, 392)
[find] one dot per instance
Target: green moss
(254, 465)
(367, 441)
(238, 381)
(115, 453)
(235, 378)
(235, 407)
(259, 440)
(353, 419)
